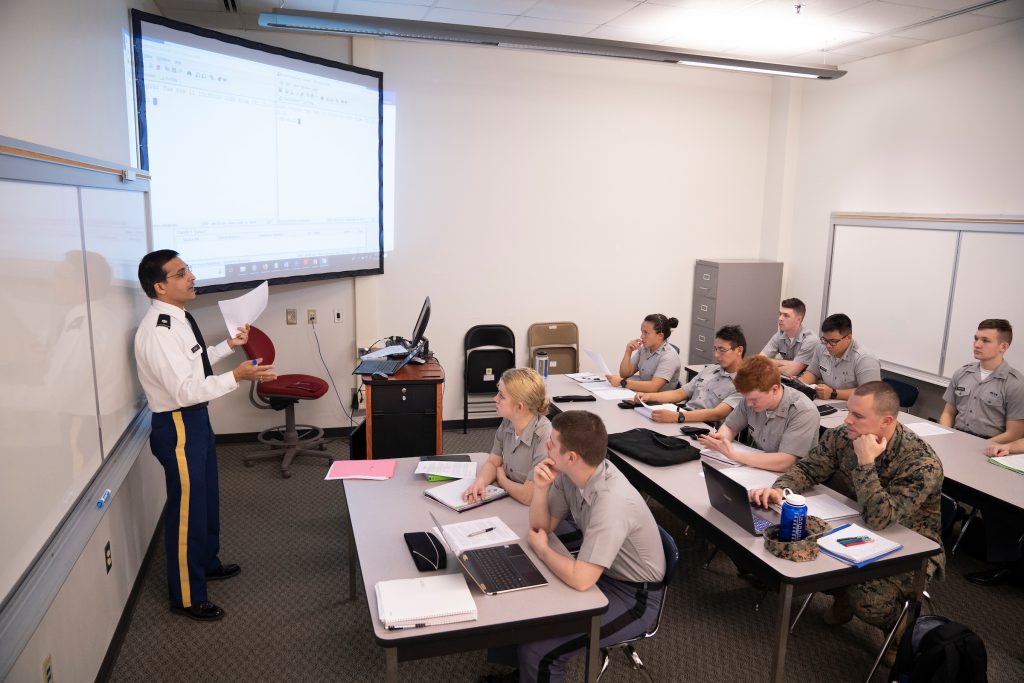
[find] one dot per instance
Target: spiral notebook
(424, 601)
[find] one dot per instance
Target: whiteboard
(989, 284)
(895, 286)
(70, 303)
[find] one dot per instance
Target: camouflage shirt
(902, 485)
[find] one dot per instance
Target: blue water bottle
(542, 364)
(794, 514)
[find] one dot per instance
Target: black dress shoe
(991, 577)
(204, 611)
(225, 571)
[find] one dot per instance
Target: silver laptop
(498, 569)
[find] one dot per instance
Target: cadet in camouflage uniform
(893, 474)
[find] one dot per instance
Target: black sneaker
(225, 571)
(204, 611)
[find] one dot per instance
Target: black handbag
(653, 448)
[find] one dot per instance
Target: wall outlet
(337, 315)
(108, 556)
(311, 316)
(291, 316)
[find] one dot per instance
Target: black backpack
(648, 446)
(937, 649)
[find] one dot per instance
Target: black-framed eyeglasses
(833, 342)
(722, 349)
(181, 272)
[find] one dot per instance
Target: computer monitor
(421, 324)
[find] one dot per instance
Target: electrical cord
(316, 337)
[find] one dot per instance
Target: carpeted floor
(289, 618)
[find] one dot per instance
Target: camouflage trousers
(878, 602)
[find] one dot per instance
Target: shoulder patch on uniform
(163, 320)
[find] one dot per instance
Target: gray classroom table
(382, 511)
(681, 489)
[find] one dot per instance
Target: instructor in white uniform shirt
(175, 370)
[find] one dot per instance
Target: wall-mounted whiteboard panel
(989, 284)
(114, 225)
(895, 286)
(48, 416)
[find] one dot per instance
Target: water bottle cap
(793, 498)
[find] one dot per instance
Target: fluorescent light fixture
(730, 67)
(401, 29)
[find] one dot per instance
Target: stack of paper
(447, 468)
(856, 545)
(361, 469)
(1010, 462)
(424, 601)
(584, 377)
(648, 410)
(450, 494)
(927, 429)
(721, 457)
(476, 533)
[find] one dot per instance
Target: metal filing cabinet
(744, 292)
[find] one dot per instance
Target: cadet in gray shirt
(782, 422)
(621, 551)
(520, 442)
(986, 398)
(793, 346)
(650, 363)
(840, 365)
(710, 396)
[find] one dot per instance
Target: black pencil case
(427, 552)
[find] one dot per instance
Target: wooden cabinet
(403, 412)
(733, 292)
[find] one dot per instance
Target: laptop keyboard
(368, 367)
(497, 570)
(760, 523)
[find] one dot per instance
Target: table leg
(782, 629)
(593, 658)
(391, 664)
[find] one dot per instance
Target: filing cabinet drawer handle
(697, 348)
(700, 338)
(706, 289)
(706, 276)
(703, 320)
(703, 308)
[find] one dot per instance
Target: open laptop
(498, 569)
(729, 497)
(387, 367)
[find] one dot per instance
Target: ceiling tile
(710, 5)
(944, 5)
(877, 46)
(451, 16)
(399, 2)
(252, 6)
(877, 17)
(631, 34)
(1014, 9)
(589, 12)
(388, 10)
(810, 9)
(308, 5)
(821, 58)
(565, 28)
(495, 6)
(953, 26)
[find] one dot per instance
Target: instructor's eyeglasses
(182, 272)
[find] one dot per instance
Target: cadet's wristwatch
(835, 394)
(622, 382)
(681, 416)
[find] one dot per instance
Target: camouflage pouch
(804, 550)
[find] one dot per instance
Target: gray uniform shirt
(662, 363)
(711, 387)
(519, 455)
(855, 367)
(983, 407)
(619, 532)
(800, 348)
(791, 428)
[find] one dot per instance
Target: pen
(402, 628)
(255, 362)
(104, 499)
(481, 531)
(838, 528)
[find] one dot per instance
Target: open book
(856, 545)
(450, 494)
(1014, 463)
(424, 601)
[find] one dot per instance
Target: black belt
(195, 407)
(641, 585)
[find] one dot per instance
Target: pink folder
(361, 469)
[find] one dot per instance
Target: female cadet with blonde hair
(520, 442)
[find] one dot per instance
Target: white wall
(933, 129)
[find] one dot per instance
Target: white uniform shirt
(170, 361)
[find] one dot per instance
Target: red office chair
(282, 394)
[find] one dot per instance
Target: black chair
(906, 392)
(671, 564)
(489, 351)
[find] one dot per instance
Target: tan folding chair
(561, 341)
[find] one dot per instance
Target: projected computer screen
(265, 163)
